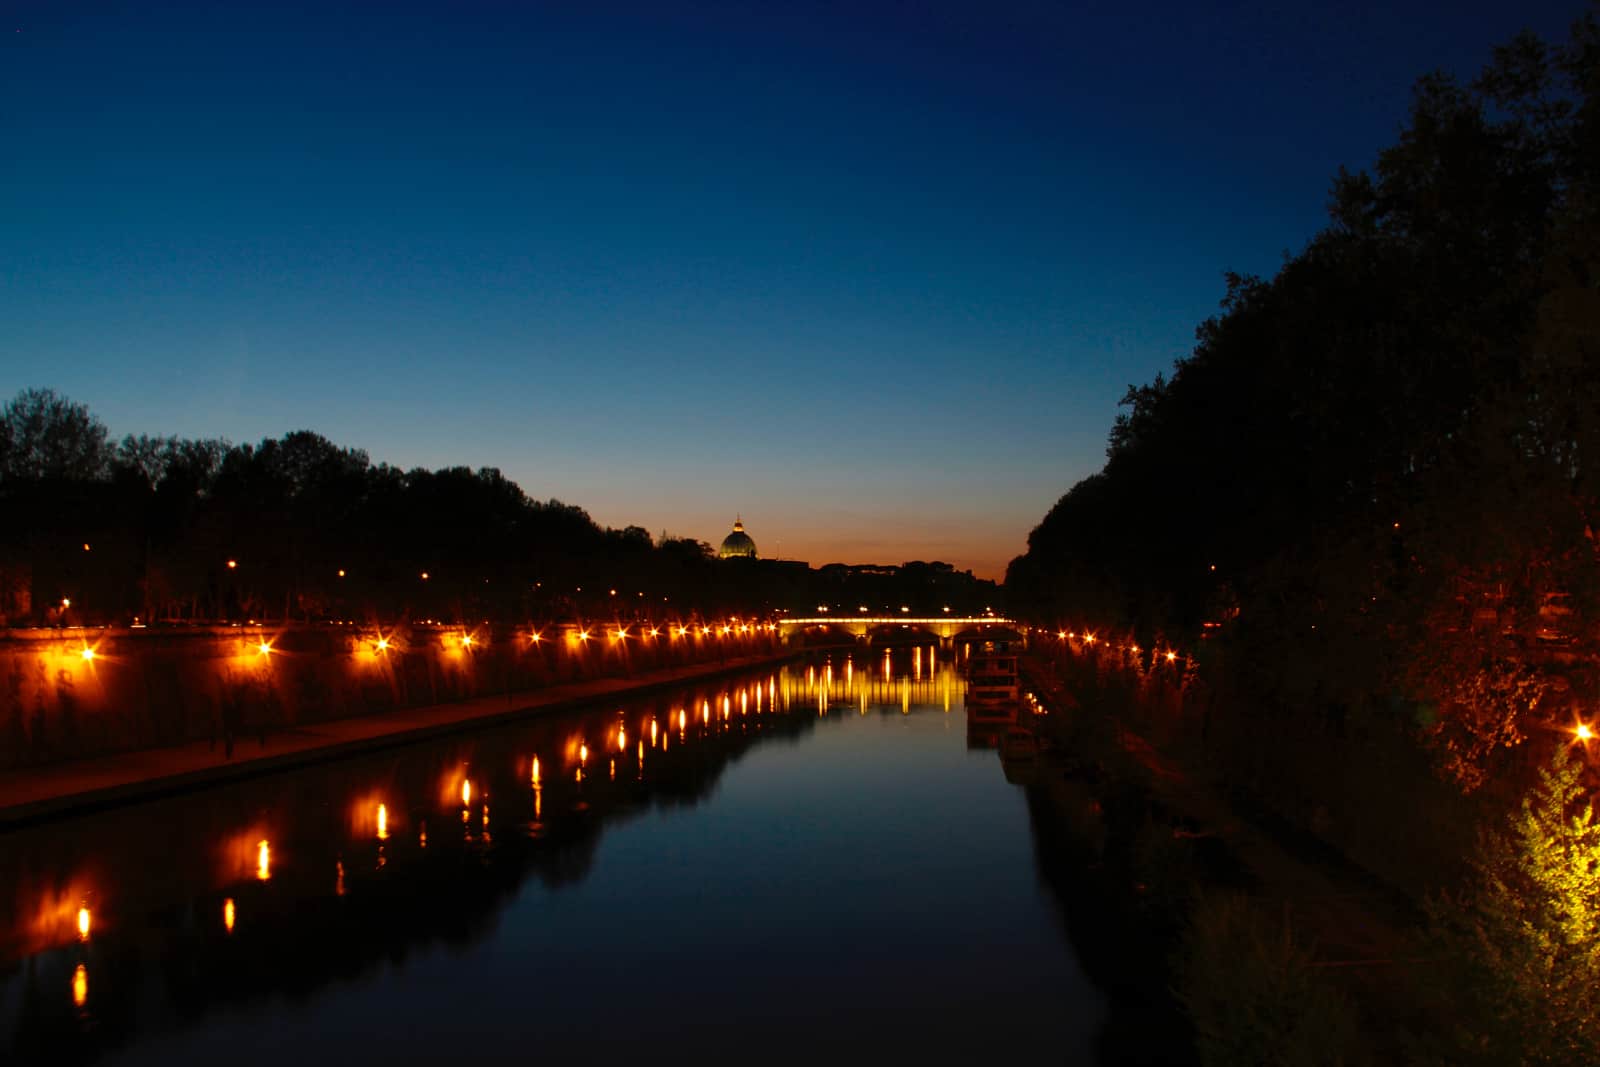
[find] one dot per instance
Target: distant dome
(737, 545)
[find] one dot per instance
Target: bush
(1520, 947)
(1255, 995)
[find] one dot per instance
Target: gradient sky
(873, 275)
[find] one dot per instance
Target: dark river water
(806, 863)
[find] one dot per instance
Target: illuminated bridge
(863, 627)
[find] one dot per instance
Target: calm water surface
(812, 862)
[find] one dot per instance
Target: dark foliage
(1376, 475)
(297, 528)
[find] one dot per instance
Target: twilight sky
(872, 274)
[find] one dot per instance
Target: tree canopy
(1382, 460)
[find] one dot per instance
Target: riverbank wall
(76, 694)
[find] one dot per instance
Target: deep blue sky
(874, 275)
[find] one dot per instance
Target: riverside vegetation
(1375, 487)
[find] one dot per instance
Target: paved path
(41, 793)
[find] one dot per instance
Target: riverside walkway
(38, 793)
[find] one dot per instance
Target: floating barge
(994, 691)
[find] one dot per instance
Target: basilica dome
(737, 545)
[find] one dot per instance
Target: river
(809, 862)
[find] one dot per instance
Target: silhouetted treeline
(297, 528)
(1379, 470)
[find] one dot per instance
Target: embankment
(77, 694)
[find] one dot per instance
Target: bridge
(862, 627)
